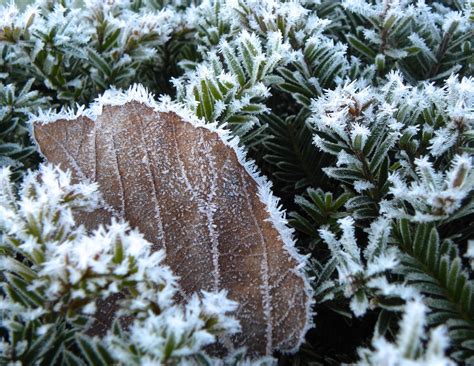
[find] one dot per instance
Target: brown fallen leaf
(187, 187)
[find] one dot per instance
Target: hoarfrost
(194, 196)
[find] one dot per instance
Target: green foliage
(320, 208)
(290, 153)
(232, 85)
(423, 42)
(434, 267)
(15, 149)
(360, 112)
(410, 345)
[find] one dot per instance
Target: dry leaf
(187, 187)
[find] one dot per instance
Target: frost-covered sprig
(17, 102)
(43, 212)
(213, 21)
(417, 38)
(456, 100)
(355, 124)
(293, 19)
(141, 30)
(175, 334)
(412, 347)
(383, 14)
(54, 271)
(71, 268)
(363, 275)
(317, 61)
(231, 85)
(21, 328)
(34, 40)
(369, 128)
(345, 110)
(433, 195)
(437, 119)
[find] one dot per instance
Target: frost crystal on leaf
(212, 213)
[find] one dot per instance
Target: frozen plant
(360, 112)
(363, 276)
(417, 37)
(368, 128)
(106, 38)
(54, 272)
(231, 85)
(316, 61)
(408, 348)
(291, 18)
(177, 333)
(434, 195)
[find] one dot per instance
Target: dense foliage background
(360, 113)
